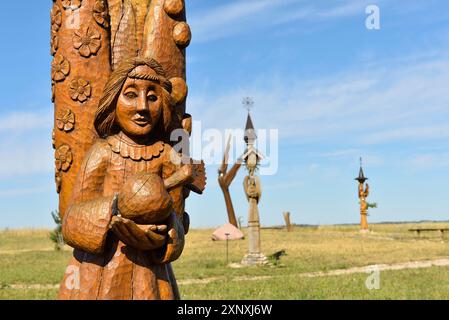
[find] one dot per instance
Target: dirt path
(31, 250)
(338, 272)
(25, 250)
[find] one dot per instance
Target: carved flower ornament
(60, 68)
(63, 158)
(65, 120)
(80, 89)
(87, 40)
(58, 181)
(55, 18)
(100, 13)
(54, 42)
(71, 4)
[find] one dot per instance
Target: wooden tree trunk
(80, 45)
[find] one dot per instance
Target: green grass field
(31, 269)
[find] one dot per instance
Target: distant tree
(56, 234)
(371, 205)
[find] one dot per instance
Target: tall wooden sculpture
(363, 194)
(118, 80)
(225, 179)
(253, 191)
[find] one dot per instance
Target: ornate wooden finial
(361, 178)
(250, 132)
(248, 103)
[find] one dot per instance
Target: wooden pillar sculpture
(119, 88)
(80, 45)
(253, 191)
(225, 179)
(363, 194)
(288, 224)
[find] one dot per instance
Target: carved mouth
(141, 121)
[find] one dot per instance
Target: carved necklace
(134, 151)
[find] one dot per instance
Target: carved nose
(142, 104)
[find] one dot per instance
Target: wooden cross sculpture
(225, 179)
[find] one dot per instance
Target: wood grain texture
(122, 196)
(363, 194)
(95, 70)
(125, 39)
(159, 42)
(108, 268)
(86, 224)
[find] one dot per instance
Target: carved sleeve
(171, 163)
(178, 221)
(86, 222)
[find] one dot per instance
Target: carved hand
(141, 237)
(175, 241)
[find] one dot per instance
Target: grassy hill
(31, 269)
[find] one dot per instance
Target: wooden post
(363, 194)
(253, 191)
(287, 221)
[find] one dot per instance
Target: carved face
(139, 105)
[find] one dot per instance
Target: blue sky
(334, 90)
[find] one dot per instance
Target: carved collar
(135, 151)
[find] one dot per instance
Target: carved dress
(102, 266)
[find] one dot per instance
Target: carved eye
(152, 97)
(131, 95)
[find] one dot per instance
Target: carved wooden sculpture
(225, 179)
(253, 191)
(118, 76)
(363, 194)
(288, 224)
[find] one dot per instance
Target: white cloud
(373, 160)
(241, 16)
(26, 156)
(342, 153)
(25, 121)
(25, 143)
(26, 191)
(429, 160)
(408, 133)
(228, 18)
(378, 105)
(349, 8)
(285, 185)
(230, 12)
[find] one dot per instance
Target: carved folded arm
(176, 176)
(86, 222)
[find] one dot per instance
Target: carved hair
(104, 121)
